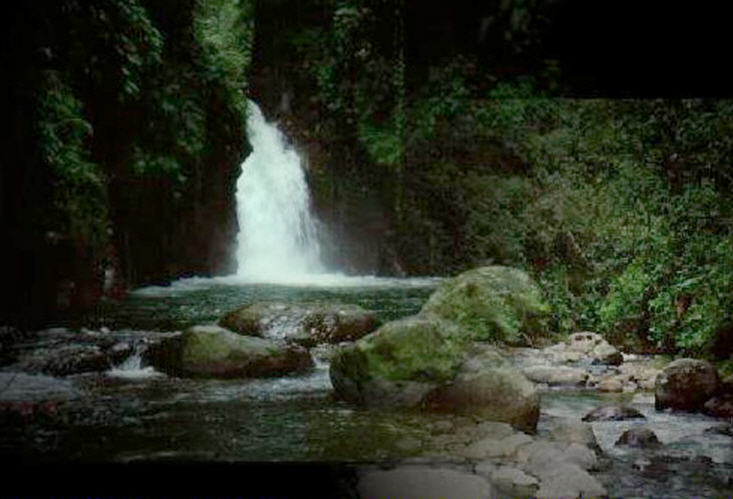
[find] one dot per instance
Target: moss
(492, 303)
(416, 348)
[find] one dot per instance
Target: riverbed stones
(568, 481)
(639, 437)
(491, 303)
(212, 351)
(304, 323)
(613, 413)
(557, 375)
(573, 431)
(685, 384)
(514, 482)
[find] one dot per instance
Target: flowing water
(129, 412)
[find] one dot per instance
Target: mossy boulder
(307, 324)
(491, 303)
(212, 351)
(399, 363)
(424, 361)
(685, 384)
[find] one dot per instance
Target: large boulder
(212, 351)
(491, 303)
(400, 363)
(489, 387)
(304, 323)
(685, 384)
(425, 361)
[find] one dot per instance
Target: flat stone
(569, 481)
(574, 431)
(556, 375)
(505, 447)
(514, 481)
(581, 455)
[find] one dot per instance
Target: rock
(584, 341)
(422, 481)
(399, 363)
(720, 406)
(514, 482)
(568, 481)
(492, 448)
(685, 384)
(639, 437)
(610, 384)
(307, 324)
(491, 303)
(605, 353)
(613, 413)
(70, 359)
(581, 455)
(498, 394)
(556, 375)
(574, 431)
(212, 351)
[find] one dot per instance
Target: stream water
(131, 413)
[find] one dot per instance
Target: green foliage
(79, 195)
(224, 29)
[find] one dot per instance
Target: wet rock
(611, 384)
(605, 353)
(685, 384)
(574, 431)
(70, 359)
(568, 480)
(422, 481)
(556, 375)
(613, 413)
(639, 437)
(514, 482)
(493, 448)
(307, 324)
(720, 406)
(119, 352)
(399, 364)
(497, 394)
(211, 351)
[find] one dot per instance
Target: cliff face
(125, 142)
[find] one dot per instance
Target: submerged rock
(685, 384)
(639, 437)
(212, 351)
(304, 323)
(613, 413)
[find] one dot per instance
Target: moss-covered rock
(212, 351)
(307, 324)
(492, 303)
(413, 354)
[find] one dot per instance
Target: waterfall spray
(278, 238)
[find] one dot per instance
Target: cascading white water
(278, 238)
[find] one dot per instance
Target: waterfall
(278, 238)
